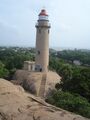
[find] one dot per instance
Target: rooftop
(43, 13)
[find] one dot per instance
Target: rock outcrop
(16, 104)
(38, 83)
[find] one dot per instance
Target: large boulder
(16, 104)
(31, 81)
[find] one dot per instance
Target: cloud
(70, 21)
(8, 33)
(65, 27)
(4, 23)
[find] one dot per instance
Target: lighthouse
(38, 79)
(42, 42)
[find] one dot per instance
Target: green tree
(80, 82)
(3, 71)
(70, 102)
(75, 80)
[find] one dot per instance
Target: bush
(70, 102)
(3, 71)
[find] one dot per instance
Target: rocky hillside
(37, 83)
(16, 104)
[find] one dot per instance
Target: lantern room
(43, 15)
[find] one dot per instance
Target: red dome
(43, 12)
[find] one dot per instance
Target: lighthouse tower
(42, 42)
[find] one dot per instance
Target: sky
(69, 19)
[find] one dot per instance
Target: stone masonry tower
(42, 42)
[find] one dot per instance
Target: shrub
(71, 102)
(3, 71)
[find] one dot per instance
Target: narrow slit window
(48, 31)
(38, 52)
(39, 30)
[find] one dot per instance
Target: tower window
(48, 31)
(38, 52)
(39, 30)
